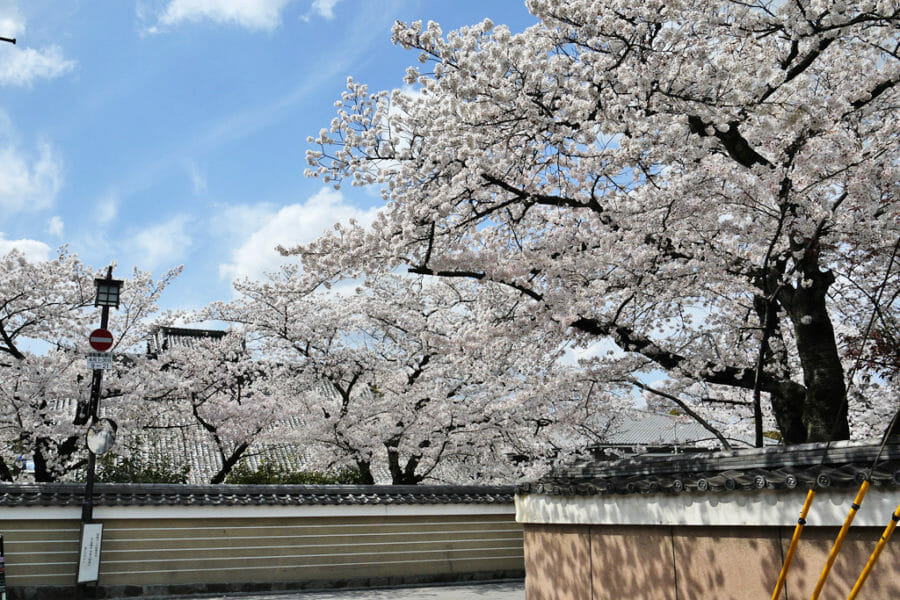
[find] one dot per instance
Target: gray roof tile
(117, 494)
(845, 464)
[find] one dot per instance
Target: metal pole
(888, 531)
(840, 539)
(87, 506)
(801, 522)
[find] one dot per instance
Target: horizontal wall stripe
(326, 535)
(311, 525)
(303, 566)
(244, 559)
(270, 547)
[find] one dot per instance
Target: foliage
(709, 187)
(401, 376)
(140, 467)
(270, 472)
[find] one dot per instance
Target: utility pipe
(876, 553)
(794, 541)
(840, 539)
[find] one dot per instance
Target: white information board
(89, 563)
(99, 360)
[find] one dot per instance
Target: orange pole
(794, 541)
(840, 539)
(874, 558)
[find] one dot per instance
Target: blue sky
(158, 133)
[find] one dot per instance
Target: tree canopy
(712, 185)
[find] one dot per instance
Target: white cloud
(106, 208)
(12, 23)
(291, 225)
(161, 245)
(24, 66)
(32, 249)
(28, 180)
(55, 226)
(251, 14)
(324, 8)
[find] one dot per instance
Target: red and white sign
(101, 340)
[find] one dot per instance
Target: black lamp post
(101, 433)
(107, 296)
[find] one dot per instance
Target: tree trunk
(365, 472)
(402, 475)
(824, 404)
(229, 462)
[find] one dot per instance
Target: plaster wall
(665, 562)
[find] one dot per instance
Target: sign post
(99, 438)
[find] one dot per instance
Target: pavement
(511, 590)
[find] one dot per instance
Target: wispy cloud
(258, 15)
(107, 209)
(24, 66)
(291, 225)
(197, 177)
(162, 245)
(29, 179)
(55, 226)
(322, 8)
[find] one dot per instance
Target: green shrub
(134, 468)
(270, 472)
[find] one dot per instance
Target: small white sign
(99, 360)
(89, 563)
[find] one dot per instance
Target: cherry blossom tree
(400, 377)
(710, 184)
(214, 385)
(45, 318)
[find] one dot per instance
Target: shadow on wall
(632, 562)
(727, 563)
(557, 563)
(685, 563)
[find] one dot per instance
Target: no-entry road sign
(101, 340)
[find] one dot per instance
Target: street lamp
(107, 296)
(107, 293)
(101, 433)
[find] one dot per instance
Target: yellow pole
(794, 541)
(840, 539)
(874, 558)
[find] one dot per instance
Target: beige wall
(170, 551)
(694, 562)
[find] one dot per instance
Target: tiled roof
(115, 494)
(846, 465)
(163, 338)
(655, 430)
